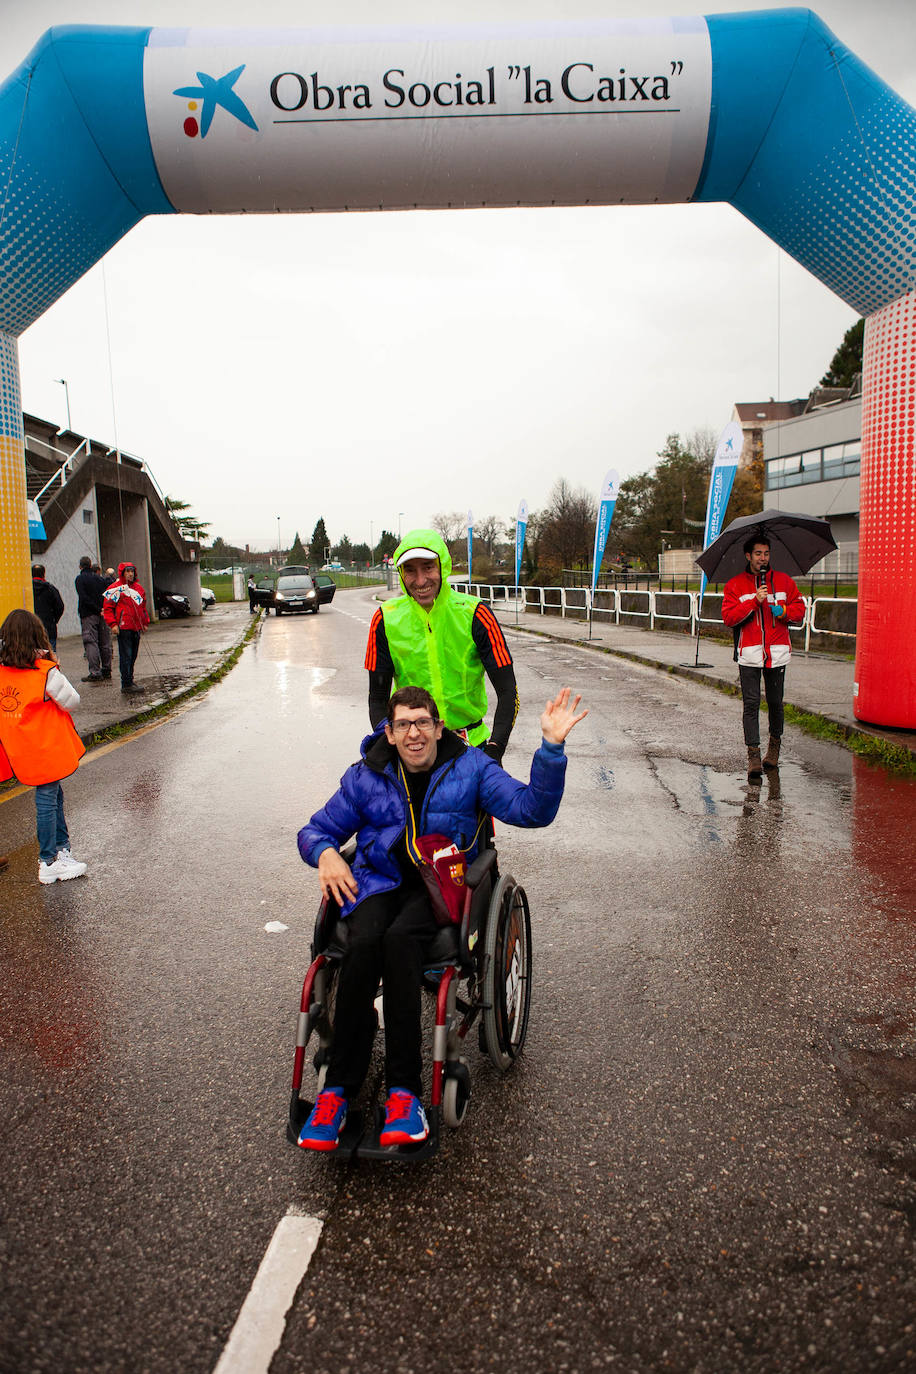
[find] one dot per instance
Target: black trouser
(774, 680)
(388, 937)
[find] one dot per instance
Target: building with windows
(811, 465)
(755, 417)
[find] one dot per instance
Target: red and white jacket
(763, 639)
(124, 603)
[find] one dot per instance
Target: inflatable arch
(768, 111)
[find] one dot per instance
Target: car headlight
(280, 596)
(308, 594)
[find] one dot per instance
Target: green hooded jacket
(435, 649)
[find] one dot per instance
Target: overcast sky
(377, 368)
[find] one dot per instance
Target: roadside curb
(875, 745)
(161, 706)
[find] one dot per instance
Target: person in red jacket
(760, 605)
(124, 609)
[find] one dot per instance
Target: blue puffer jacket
(371, 804)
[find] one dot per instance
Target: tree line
(662, 507)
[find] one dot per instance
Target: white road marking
(261, 1322)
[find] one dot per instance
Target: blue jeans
(128, 648)
(52, 828)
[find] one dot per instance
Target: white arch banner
(262, 122)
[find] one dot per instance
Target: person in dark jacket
(90, 588)
(49, 606)
(416, 778)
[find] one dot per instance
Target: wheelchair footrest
(359, 1138)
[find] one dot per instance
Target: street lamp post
(400, 513)
(61, 381)
(278, 541)
(371, 540)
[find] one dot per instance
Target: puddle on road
(699, 790)
(881, 1090)
(882, 832)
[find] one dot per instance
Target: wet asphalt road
(705, 1161)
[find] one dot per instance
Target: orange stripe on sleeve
(371, 646)
(495, 635)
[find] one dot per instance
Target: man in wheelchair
(416, 779)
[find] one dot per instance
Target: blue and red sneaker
(405, 1119)
(325, 1121)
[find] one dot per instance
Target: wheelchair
(478, 972)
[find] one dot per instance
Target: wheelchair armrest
(329, 910)
(479, 869)
(483, 865)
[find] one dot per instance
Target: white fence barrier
(649, 605)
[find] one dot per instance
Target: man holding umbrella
(759, 605)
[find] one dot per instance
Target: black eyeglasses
(425, 724)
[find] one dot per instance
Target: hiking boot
(92, 677)
(106, 674)
(325, 1121)
(61, 870)
(754, 761)
(405, 1119)
(131, 689)
(771, 757)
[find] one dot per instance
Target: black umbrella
(796, 542)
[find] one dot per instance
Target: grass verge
(895, 757)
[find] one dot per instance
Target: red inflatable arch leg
(885, 688)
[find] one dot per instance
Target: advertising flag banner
(606, 503)
(470, 543)
(521, 525)
(725, 465)
(36, 524)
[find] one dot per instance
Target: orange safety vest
(37, 740)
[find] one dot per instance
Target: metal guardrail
(578, 600)
(65, 470)
(812, 628)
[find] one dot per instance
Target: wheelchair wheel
(456, 1092)
(507, 976)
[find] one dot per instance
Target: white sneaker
(60, 870)
(65, 857)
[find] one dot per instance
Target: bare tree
(701, 442)
(450, 524)
(567, 533)
(487, 531)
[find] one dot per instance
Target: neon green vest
(437, 651)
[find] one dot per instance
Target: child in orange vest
(38, 744)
